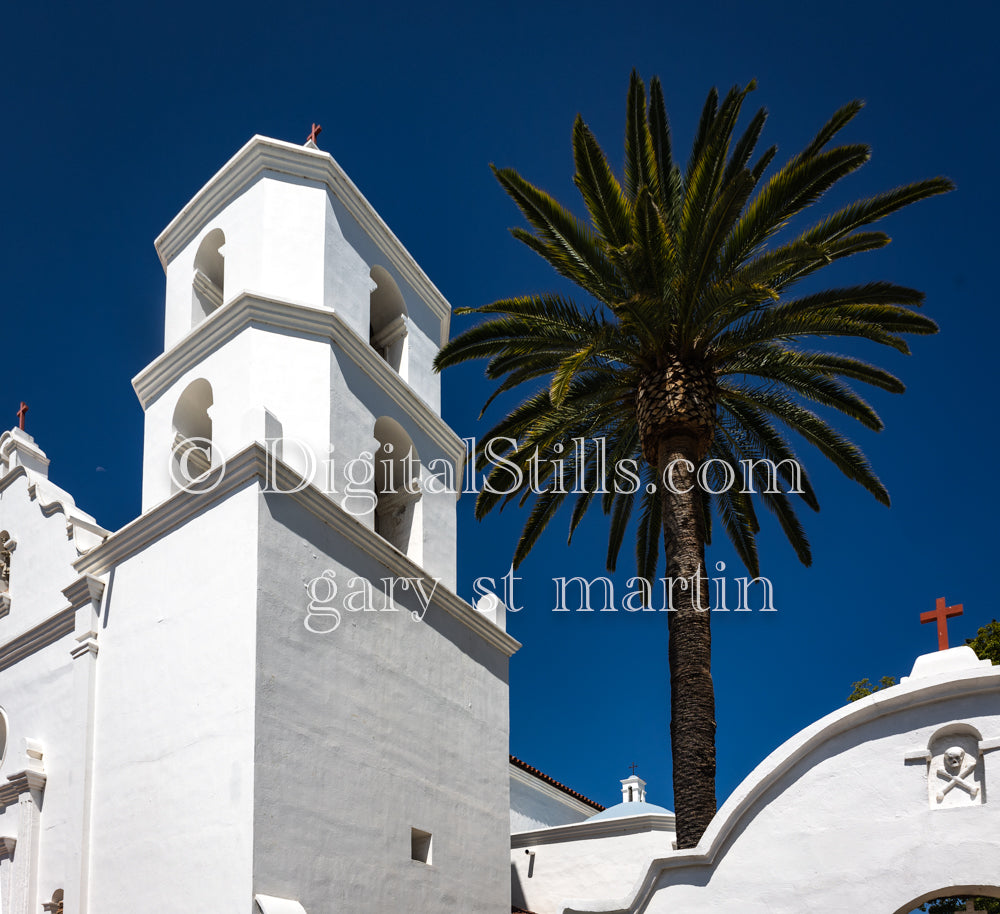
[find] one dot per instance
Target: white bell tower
(294, 315)
(218, 684)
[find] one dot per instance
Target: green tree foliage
(986, 644)
(864, 687)
(691, 341)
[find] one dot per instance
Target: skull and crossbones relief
(956, 769)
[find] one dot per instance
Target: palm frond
(683, 267)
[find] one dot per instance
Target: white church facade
(264, 695)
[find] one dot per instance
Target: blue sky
(117, 113)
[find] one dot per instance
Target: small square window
(420, 845)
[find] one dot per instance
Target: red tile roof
(541, 775)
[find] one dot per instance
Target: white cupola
(633, 789)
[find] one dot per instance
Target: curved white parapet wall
(890, 801)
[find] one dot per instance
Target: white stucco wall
(382, 725)
(173, 756)
(603, 858)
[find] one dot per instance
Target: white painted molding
(247, 309)
(250, 467)
(85, 589)
(31, 777)
(45, 633)
(17, 473)
(268, 904)
(602, 828)
(87, 645)
(277, 159)
(85, 534)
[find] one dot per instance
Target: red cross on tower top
(20, 415)
(941, 614)
(315, 132)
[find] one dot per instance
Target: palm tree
(687, 356)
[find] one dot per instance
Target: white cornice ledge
(248, 309)
(914, 694)
(263, 154)
(85, 589)
(31, 777)
(34, 639)
(250, 467)
(602, 828)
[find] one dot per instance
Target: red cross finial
(315, 132)
(941, 614)
(20, 415)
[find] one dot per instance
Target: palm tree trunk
(692, 696)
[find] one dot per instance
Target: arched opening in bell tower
(208, 284)
(191, 448)
(398, 512)
(387, 320)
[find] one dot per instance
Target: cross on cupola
(21, 413)
(941, 614)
